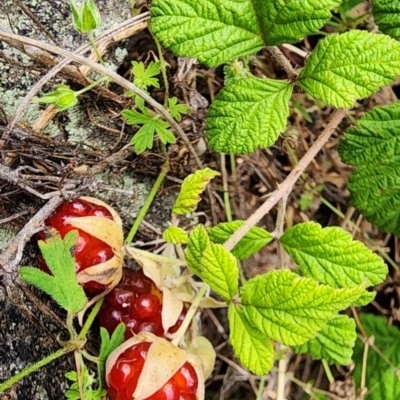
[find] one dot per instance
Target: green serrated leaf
(251, 347)
(290, 21)
(374, 148)
(219, 269)
(218, 31)
(144, 77)
(350, 66)
(192, 187)
(247, 114)
(348, 5)
(334, 342)
(175, 235)
(387, 16)
(253, 241)
(134, 117)
(332, 257)
(63, 286)
(381, 379)
(197, 244)
(165, 135)
(176, 109)
(292, 309)
(108, 345)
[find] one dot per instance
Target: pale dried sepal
(206, 302)
(203, 350)
(171, 309)
(209, 302)
(104, 229)
(104, 273)
(114, 214)
(162, 362)
(198, 367)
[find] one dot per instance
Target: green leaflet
(248, 113)
(219, 269)
(334, 342)
(191, 189)
(381, 379)
(291, 20)
(218, 31)
(291, 309)
(253, 241)
(332, 257)
(251, 347)
(198, 242)
(63, 286)
(347, 5)
(387, 16)
(374, 148)
(175, 235)
(350, 66)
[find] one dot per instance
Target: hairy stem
(95, 48)
(286, 186)
(90, 319)
(283, 62)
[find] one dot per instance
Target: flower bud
(86, 18)
(63, 97)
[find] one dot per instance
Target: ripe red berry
(139, 304)
(89, 251)
(124, 375)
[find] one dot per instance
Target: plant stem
(261, 388)
(92, 85)
(90, 319)
(283, 62)
(190, 314)
(227, 203)
(95, 48)
(282, 366)
(32, 368)
(290, 180)
(163, 70)
(149, 200)
(328, 371)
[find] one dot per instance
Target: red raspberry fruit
(89, 251)
(137, 302)
(125, 373)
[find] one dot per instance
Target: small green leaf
(248, 113)
(63, 286)
(144, 77)
(108, 345)
(134, 117)
(334, 342)
(192, 187)
(292, 309)
(253, 241)
(381, 379)
(332, 257)
(219, 269)
(175, 235)
(197, 244)
(348, 5)
(387, 17)
(374, 148)
(350, 66)
(176, 109)
(251, 347)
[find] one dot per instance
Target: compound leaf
(381, 379)
(192, 187)
(350, 66)
(387, 16)
(291, 20)
(248, 113)
(251, 347)
(63, 286)
(253, 241)
(334, 342)
(332, 257)
(292, 309)
(374, 148)
(218, 31)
